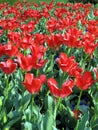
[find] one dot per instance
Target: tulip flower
(8, 66)
(84, 81)
(32, 84)
(65, 91)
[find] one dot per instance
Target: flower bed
(48, 66)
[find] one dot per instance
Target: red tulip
(1, 50)
(64, 62)
(54, 41)
(64, 91)
(26, 62)
(84, 81)
(33, 60)
(14, 37)
(37, 53)
(11, 24)
(89, 42)
(10, 49)
(76, 113)
(25, 42)
(59, 12)
(75, 70)
(1, 32)
(51, 24)
(33, 84)
(45, 13)
(68, 64)
(39, 38)
(71, 38)
(42, 77)
(8, 66)
(89, 47)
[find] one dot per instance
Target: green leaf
(88, 128)
(54, 128)
(1, 99)
(27, 126)
(47, 122)
(25, 100)
(49, 65)
(11, 123)
(94, 122)
(14, 114)
(27, 114)
(36, 110)
(83, 108)
(49, 104)
(95, 127)
(83, 122)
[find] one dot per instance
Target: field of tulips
(48, 66)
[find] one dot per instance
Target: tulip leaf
(14, 114)
(27, 126)
(47, 122)
(11, 123)
(27, 114)
(83, 122)
(25, 100)
(49, 104)
(95, 127)
(94, 122)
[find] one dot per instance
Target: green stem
(32, 102)
(6, 81)
(69, 51)
(78, 103)
(77, 125)
(58, 103)
(6, 90)
(51, 64)
(84, 61)
(64, 107)
(37, 72)
(48, 93)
